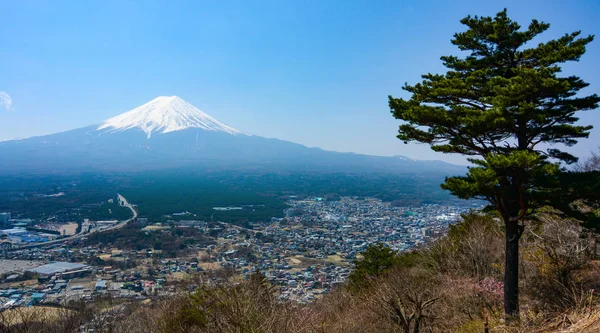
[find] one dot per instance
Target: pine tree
(506, 107)
(376, 259)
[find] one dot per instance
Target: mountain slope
(168, 132)
(165, 114)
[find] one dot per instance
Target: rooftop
(56, 267)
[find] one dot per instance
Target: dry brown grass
(21, 315)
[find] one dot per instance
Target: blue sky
(312, 72)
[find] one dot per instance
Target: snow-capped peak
(165, 114)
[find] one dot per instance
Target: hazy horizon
(315, 73)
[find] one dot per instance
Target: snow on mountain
(194, 140)
(165, 114)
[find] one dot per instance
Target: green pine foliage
(506, 106)
(375, 261)
(499, 104)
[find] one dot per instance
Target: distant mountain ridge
(169, 132)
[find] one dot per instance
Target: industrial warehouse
(64, 269)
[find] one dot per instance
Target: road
(122, 202)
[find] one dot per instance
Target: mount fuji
(169, 132)
(165, 114)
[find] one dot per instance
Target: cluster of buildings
(20, 232)
(53, 280)
(316, 228)
(61, 282)
(305, 254)
(20, 235)
(312, 249)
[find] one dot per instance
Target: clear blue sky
(312, 72)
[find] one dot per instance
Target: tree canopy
(501, 103)
(376, 259)
(507, 108)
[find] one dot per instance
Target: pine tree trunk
(511, 271)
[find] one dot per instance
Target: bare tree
(561, 250)
(406, 299)
(592, 163)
